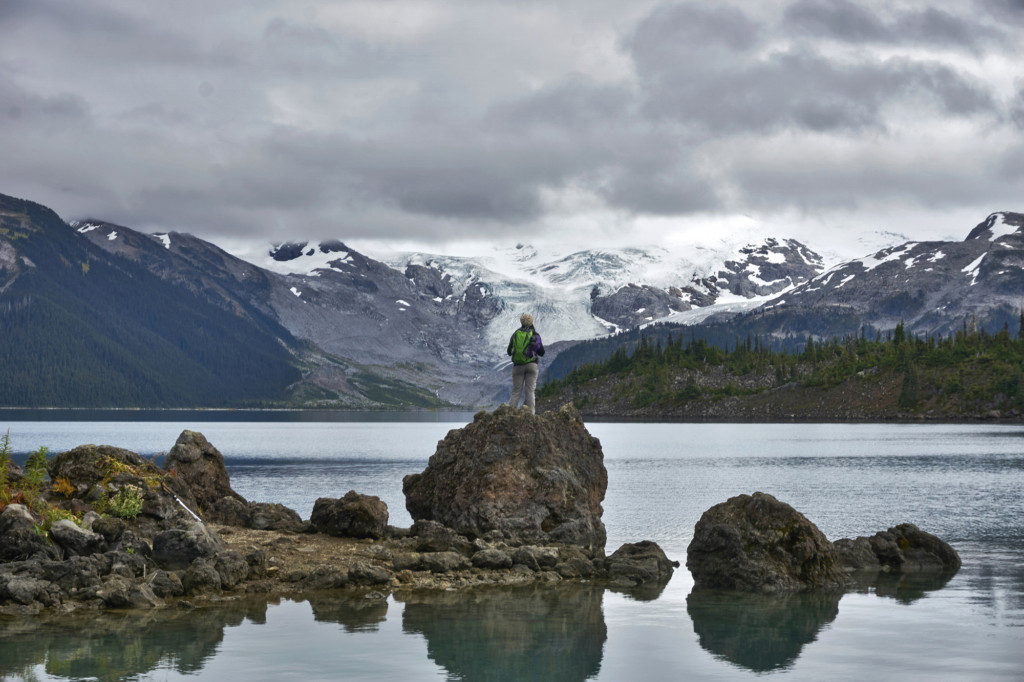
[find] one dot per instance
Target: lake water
(964, 483)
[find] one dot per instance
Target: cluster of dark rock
(512, 498)
(755, 543)
(509, 499)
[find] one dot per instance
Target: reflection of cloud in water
(112, 646)
(756, 631)
(532, 633)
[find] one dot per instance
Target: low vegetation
(29, 487)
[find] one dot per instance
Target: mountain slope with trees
(970, 374)
(84, 328)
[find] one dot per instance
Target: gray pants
(524, 373)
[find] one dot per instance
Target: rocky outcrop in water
(639, 563)
(901, 549)
(520, 477)
(755, 543)
(112, 530)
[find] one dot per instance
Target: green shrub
(52, 515)
(127, 503)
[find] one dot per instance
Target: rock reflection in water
(905, 588)
(532, 633)
(765, 632)
(113, 646)
(756, 631)
(359, 614)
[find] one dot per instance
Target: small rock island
(512, 498)
(755, 543)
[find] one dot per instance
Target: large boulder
(201, 467)
(901, 549)
(353, 516)
(637, 563)
(92, 464)
(274, 516)
(177, 548)
(98, 471)
(755, 543)
(527, 478)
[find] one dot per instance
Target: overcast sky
(586, 120)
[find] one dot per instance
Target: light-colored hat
(526, 319)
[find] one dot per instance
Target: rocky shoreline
(520, 495)
(510, 499)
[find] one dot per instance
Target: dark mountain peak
(333, 246)
(998, 225)
(287, 251)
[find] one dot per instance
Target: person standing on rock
(526, 348)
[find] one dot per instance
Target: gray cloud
(739, 89)
(859, 23)
(432, 120)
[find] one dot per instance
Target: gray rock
(443, 562)
(901, 549)
(131, 543)
(856, 554)
(230, 511)
(431, 536)
(89, 518)
(353, 516)
(16, 517)
(575, 567)
(142, 596)
(535, 558)
(128, 565)
(231, 567)
(23, 589)
(21, 545)
(362, 573)
(115, 592)
(75, 540)
(201, 576)
(492, 558)
(326, 578)
(201, 466)
(639, 563)
(178, 548)
(756, 543)
(165, 584)
(407, 561)
(77, 572)
(159, 506)
(273, 516)
(110, 528)
(527, 478)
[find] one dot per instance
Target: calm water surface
(962, 483)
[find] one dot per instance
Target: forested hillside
(969, 374)
(83, 328)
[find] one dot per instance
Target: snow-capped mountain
(931, 286)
